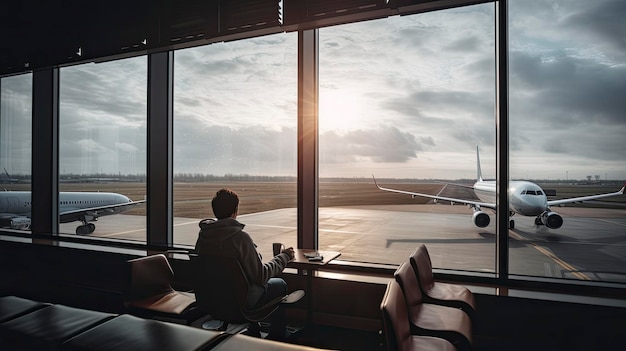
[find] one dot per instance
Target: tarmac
(591, 244)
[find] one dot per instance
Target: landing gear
(538, 221)
(85, 229)
(511, 221)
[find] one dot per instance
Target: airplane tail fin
(479, 174)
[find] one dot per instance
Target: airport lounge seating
(221, 288)
(396, 327)
(64, 328)
(150, 293)
(47, 328)
(13, 306)
(438, 292)
(127, 332)
(428, 319)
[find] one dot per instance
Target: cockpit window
(532, 192)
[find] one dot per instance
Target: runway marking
(295, 228)
(120, 233)
(272, 226)
(269, 226)
(136, 230)
(616, 223)
(186, 223)
(339, 231)
(556, 259)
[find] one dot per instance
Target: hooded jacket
(226, 238)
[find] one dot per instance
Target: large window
(567, 127)
(102, 149)
(235, 117)
(407, 99)
(407, 103)
(15, 151)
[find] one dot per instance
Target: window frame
(159, 168)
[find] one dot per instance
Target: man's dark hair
(224, 203)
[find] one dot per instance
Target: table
(303, 264)
(300, 261)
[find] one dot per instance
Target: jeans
(275, 287)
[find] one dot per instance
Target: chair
(221, 288)
(428, 319)
(150, 293)
(396, 327)
(437, 292)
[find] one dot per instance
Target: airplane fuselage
(20, 203)
(16, 207)
(525, 198)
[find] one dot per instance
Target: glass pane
(407, 99)
(235, 119)
(567, 127)
(102, 149)
(15, 151)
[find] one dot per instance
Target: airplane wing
(437, 197)
(585, 198)
(453, 184)
(99, 211)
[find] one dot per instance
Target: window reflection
(235, 118)
(408, 99)
(567, 124)
(102, 149)
(15, 151)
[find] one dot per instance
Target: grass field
(193, 200)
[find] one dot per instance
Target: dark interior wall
(57, 274)
(38, 34)
(89, 278)
(509, 323)
(96, 280)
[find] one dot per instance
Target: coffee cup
(277, 248)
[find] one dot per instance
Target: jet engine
(480, 219)
(551, 219)
(20, 223)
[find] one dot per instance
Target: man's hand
(290, 252)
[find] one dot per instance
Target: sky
(401, 97)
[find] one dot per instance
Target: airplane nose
(533, 207)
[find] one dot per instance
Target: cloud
(125, 147)
(422, 89)
(15, 124)
(567, 99)
(570, 90)
(602, 24)
(105, 93)
(225, 150)
(384, 144)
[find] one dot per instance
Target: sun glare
(340, 111)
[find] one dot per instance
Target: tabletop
(303, 259)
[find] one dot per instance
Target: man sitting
(225, 237)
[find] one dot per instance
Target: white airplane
(15, 208)
(525, 198)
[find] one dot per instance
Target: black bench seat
(48, 327)
(13, 306)
(127, 332)
(30, 325)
